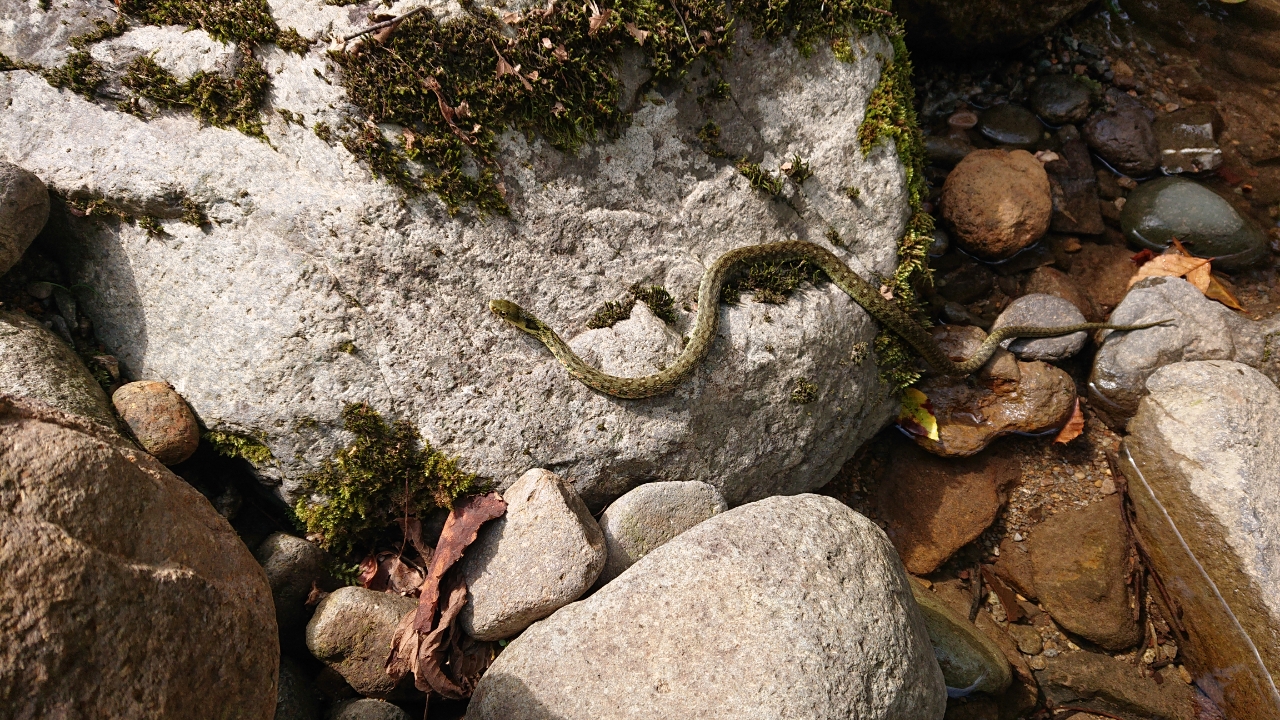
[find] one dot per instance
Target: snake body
(708, 320)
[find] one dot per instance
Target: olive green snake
(708, 319)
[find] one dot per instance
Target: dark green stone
(1205, 223)
(1060, 99)
(1011, 125)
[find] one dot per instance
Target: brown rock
(1078, 564)
(1014, 567)
(125, 594)
(1124, 138)
(1052, 281)
(935, 506)
(1103, 272)
(351, 633)
(1113, 686)
(159, 418)
(1074, 189)
(997, 201)
(1005, 396)
(947, 27)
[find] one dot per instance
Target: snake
(708, 318)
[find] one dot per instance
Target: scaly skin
(708, 319)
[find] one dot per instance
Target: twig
(686, 27)
(384, 24)
(880, 10)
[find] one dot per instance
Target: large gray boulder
(36, 364)
(125, 594)
(1201, 461)
(314, 284)
(1201, 329)
(789, 607)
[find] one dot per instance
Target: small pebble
(159, 418)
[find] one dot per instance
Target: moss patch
(452, 86)
(290, 40)
(656, 297)
(385, 473)
(219, 101)
(225, 20)
(804, 392)
(238, 445)
(771, 282)
(759, 178)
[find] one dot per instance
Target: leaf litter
(427, 642)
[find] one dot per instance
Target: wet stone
(946, 150)
(1125, 139)
(1074, 187)
(1028, 639)
(1052, 281)
(941, 243)
(1207, 225)
(966, 655)
(1060, 99)
(1188, 140)
(1113, 686)
(1043, 311)
(1011, 125)
(967, 283)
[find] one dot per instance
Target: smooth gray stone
(652, 514)
(1042, 311)
(1206, 224)
(1011, 125)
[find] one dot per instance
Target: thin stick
(686, 27)
(384, 24)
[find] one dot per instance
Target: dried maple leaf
(1218, 291)
(598, 19)
(1074, 426)
(419, 638)
(1167, 265)
(637, 33)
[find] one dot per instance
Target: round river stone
(1011, 125)
(1205, 223)
(1060, 99)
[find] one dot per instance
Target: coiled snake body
(708, 319)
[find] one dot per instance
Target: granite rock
(124, 592)
(24, 207)
(790, 606)
(351, 632)
(1042, 311)
(293, 566)
(645, 518)
(354, 292)
(36, 364)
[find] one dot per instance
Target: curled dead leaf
(511, 18)
(916, 416)
(637, 33)
(1074, 426)
(560, 53)
(546, 43)
(1167, 265)
(1217, 290)
(598, 20)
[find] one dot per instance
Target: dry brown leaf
(1074, 426)
(419, 638)
(546, 43)
(637, 33)
(1199, 277)
(557, 108)
(316, 595)
(402, 577)
(1218, 291)
(1168, 265)
(598, 20)
(511, 18)
(373, 575)
(560, 53)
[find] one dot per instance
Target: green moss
(797, 169)
(347, 347)
(804, 392)
(454, 85)
(759, 178)
(80, 74)
(833, 237)
(771, 282)
(656, 297)
(151, 225)
(362, 488)
(193, 213)
(238, 445)
(290, 40)
(219, 101)
(225, 20)
(808, 23)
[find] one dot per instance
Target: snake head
(515, 315)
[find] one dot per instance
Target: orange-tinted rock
(159, 418)
(1078, 560)
(935, 506)
(1005, 396)
(1103, 272)
(124, 594)
(997, 202)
